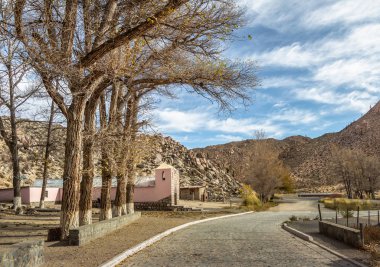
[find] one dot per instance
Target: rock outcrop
(194, 168)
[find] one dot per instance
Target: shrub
(346, 213)
(293, 218)
(249, 196)
(287, 184)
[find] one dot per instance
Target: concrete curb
(311, 240)
(122, 256)
(297, 233)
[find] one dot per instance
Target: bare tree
(152, 67)
(358, 171)
(47, 152)
(267, 170)
(75, 40)
(68, 40)
(13, 94)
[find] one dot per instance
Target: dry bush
(372, 235)
(372, 243)
(249, 197)
(350, 204)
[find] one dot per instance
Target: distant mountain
(307, 158)
(219, 167)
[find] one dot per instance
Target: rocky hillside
(194, 168)
(32, 140)
(307, 158)
(219, 167)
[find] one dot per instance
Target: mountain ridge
(308, 158)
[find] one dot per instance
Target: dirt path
(301, 205)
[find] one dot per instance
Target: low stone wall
(86, 233)
(345, 234)
(29, 254)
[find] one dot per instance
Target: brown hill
(307, 158)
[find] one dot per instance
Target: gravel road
(248, 240)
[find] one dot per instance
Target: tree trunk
(130, 195)
(132, 154)
(71, 172)
(85, 203)
(16, 177)
(120, 207)
(105, 198)
(15, 161)
(46, 156)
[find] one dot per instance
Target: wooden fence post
(357, 218)
(319, 210)
(369, 217)
(362, 234)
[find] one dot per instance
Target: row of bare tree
(358, 171)
(106, 57)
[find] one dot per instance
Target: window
(46, 193)
(163, 178)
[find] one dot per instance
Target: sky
(319, 69)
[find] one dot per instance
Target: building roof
(165, 166)
(192, 186)
(141, 181)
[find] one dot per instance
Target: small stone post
(347, 217)
(378, 217)
(336, 215)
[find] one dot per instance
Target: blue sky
(319, 67)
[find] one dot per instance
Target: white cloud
(174, 121)
(345, 12)
(353, 100)
(293, 15)
(295, 116)
(276, 14)
(232, 129)
(293, 55)
(360, 73)
(351, 62)
(279, 82)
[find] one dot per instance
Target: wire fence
(352, 218)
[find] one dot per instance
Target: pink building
(164, 185)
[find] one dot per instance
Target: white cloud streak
(231, 129)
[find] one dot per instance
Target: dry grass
(372, 243)
(372, 235)
(350, 204)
